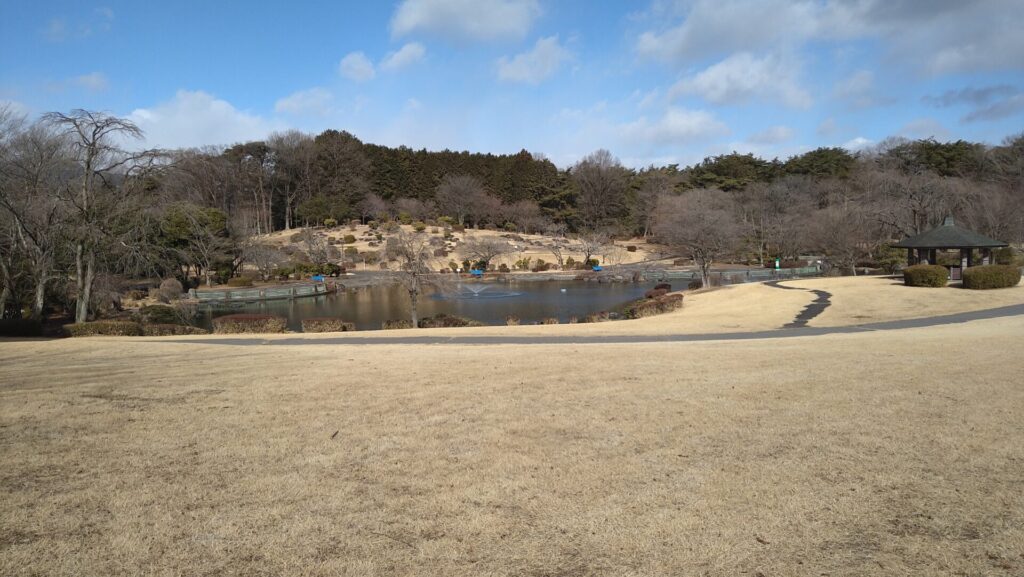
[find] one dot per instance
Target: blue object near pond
(476, 272)
(317, 277)
(598, 269)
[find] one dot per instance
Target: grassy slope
(887, 453)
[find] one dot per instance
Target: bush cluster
(349, 238)
(695, 284)
(653, 306)
(631, 248)
(991, 277)
(655, 293)
(165, 330)
(926, 275)
(1006, 255)
(512, 320)
(442, 320)
(159, 314)
(170, 290)
(549, 321)
(20, 328)
(306, 268)
(249, 323)
(105, 328)
(240, 281)
(396, 324)
(326, 325)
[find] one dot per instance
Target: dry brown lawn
(885, 453)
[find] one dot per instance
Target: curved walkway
(817, 306)
(1008, 311)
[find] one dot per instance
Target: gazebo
(949, 236)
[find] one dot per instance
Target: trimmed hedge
(653, 306)
(549, 321)
(159, 315)
(20, 328)
(655, 293)
(243, 323)
(991, 277)
(326, 325)
(695, 285)
(105, 328)
(166, 330)
(442, 320)
(926, 275)
(396, 324)
(239, 281)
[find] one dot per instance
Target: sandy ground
(885, 453)
(617, 254)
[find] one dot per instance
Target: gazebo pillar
(933, 256)
(965, 258)
(910, 257)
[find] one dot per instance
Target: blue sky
(655, 82)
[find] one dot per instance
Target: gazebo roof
(949, 235)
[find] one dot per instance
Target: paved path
(1008, 311)
(817, 306)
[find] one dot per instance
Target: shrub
(926, 275)
(663, 285)
(396, 324)
(442, 320)
(165, 330)
(447, 221)
(512, 321)
(596, 317)
(503, 268)
(330, 222)
(440, 253)
(549, 321)
(248, 323)
(239, 281)
(631, 248)
(105, 328)
(170, 289)
(326, 325)
(419, 226)
(159, 314)
(991, 277)
(458, 228)
(653, 306)
(349, 238)
(351, 251)
(573, 320)
(655, 293)
(695, 284)
(1004, 255)
(20, 328)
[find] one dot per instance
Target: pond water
(488, 303)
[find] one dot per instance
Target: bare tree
(316, 246)
(294, 169)
(602, 183)
(458, 196)
(484, 249)
(33, 173)
(593, 242)
(413, 253)
(558, 243)
(373, 207)
(845, 233)
(701, 225)
(94, 140)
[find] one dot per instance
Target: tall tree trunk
(39, 298)
(85, 284)
(288, 212)
(414, 296)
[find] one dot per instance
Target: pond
(488, 303)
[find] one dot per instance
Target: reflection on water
(488, 303)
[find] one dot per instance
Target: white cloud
(14, 107)
(743, 77)
(536, 65)
(94, 82)
(406, 55)
(858, 90)
(828, 127)
(677, 125)
(356, 66)
(315, 101)
(939, 37)
(196, 118)
(771, 135)
(925, 128)
(858, 143)
(466, 19)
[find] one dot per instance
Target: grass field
(884, 453)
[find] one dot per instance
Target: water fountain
(478, 291)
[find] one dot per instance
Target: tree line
(80, 205)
